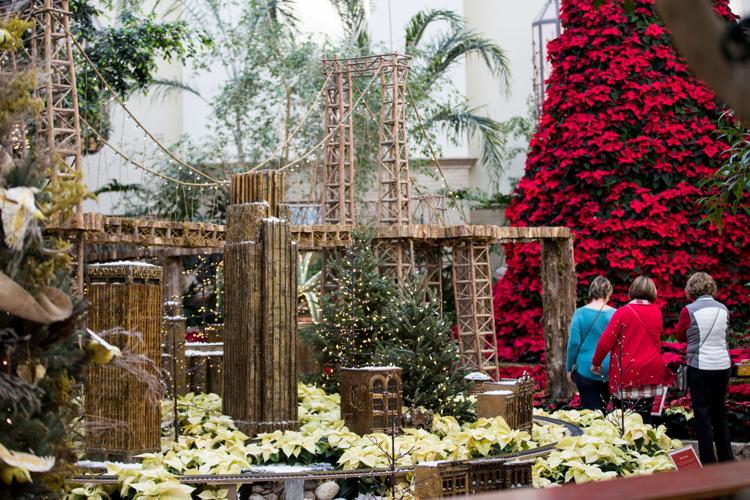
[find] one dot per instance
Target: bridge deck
(109, 230)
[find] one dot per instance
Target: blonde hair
(600, 288)
(643, 288)
(700, 284)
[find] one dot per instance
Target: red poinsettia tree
(627, 135)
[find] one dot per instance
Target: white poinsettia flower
(18, 209)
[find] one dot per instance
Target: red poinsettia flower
(626, 136)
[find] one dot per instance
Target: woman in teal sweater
(586, 327)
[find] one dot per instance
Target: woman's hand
(596, 370)
(570, 377)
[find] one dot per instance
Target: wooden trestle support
(58, 125)
(393, 157)
(472, 289)
(260, 329)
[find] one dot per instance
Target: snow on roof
(287, 469)
(190, 353)
(203, 344)
(498, 393)
(91, 464)
(132, 263)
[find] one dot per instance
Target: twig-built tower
(50, 52)
(405, 247)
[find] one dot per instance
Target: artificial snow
(203, 344)
(433, 463)
(90, 464)
(190, 353)
(131, 263)
(477, 376)
(288, 469)
(498, 393)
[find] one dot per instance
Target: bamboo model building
(122, 418)
(260, 328)
(371, 399)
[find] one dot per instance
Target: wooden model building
(371, 398)
(498, 403)
(123, 419)
(260, 329)
(512, 399)
(418, 418)
(477, 380)
(441, 479)
(468, 477)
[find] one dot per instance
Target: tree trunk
(559, 299)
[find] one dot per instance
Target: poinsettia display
(626, 136)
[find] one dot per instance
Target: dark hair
(600, 288)
(643, 288)
(700, 284)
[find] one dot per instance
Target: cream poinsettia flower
(213, 493)
(18, 466)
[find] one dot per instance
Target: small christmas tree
(424, 348)
(40, 358)
(354, 315)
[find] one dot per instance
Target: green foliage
(367, 320)
(424, 348)
(173, 201)
(730, 185)
(449, 112)
(39, 364)
(308, 287)
(355, 314)
(353, 15)
(481, 198)
(126, 53)
(273, 77)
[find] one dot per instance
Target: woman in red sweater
(633, 340)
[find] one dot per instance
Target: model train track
(265, 477)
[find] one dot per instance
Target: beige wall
(508, 23)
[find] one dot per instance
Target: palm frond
(458, 122)
(418, 24)
(459, 44)
(161, 87)
(115, 186)
(281, 12)
(353, 15)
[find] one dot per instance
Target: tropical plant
(433, 58)
(273, 74)
(125, 52)
(729, 186)
(308, 284)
